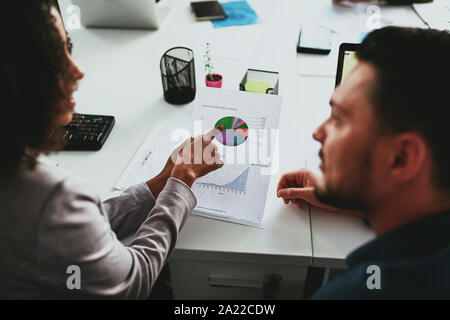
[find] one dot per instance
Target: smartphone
(314, 39)
(208, 10)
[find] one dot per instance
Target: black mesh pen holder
(178, 75)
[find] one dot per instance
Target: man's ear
(408, 156)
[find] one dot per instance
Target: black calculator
(87, 131)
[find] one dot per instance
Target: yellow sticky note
(257, 86)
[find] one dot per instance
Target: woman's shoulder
(46, 175)
(29, 195)
(49, 175)
(45, 179)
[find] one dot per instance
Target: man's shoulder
(426, 278)
(351, 285)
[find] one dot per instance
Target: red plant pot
(217, 83)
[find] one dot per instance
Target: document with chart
(248, 146)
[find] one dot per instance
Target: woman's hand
(197, 158)
(157, 183)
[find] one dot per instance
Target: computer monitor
(346, 61)
(135, 14)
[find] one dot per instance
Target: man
(385, 154)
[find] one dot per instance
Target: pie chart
(235, 133)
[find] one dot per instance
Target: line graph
(239, 184)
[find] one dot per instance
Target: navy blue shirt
(413, 261)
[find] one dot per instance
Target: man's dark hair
(412, 89)
(33, 68)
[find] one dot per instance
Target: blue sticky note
(363, 36)
(239, 13)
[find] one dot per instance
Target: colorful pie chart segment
(235, 133)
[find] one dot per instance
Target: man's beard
(352, 196)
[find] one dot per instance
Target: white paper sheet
(151, 156)
(237, 192)
(436, 14)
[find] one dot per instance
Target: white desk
(215, 259)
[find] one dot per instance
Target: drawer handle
(269, 287)
(235, 283)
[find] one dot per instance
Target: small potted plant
(212, 79)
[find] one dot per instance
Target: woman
(51, 223)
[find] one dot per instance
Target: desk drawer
(205, 279)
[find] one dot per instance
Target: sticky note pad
(257, 86)
(239, 13)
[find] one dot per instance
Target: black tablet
(346, 60)
(208, 10)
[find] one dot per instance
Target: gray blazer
(51, 220)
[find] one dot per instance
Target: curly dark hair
(411, 94)
(33, 68)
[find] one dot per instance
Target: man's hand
(297, 186)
